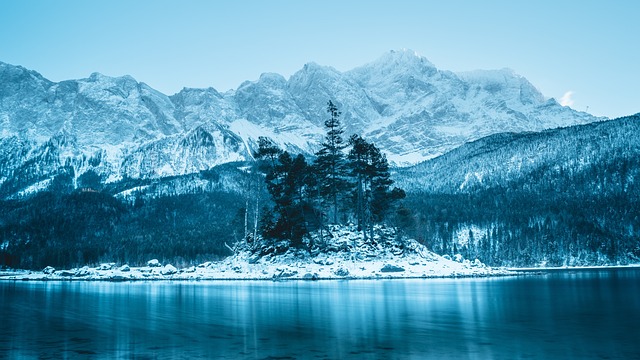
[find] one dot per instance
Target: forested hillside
(561, 197)
(179, 219)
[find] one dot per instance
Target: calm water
(569, 315)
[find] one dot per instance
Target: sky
(583, 53)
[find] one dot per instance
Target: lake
(561, 315)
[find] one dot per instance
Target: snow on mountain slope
(502, 160)
(402, 102)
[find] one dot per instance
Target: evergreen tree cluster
(338, 186)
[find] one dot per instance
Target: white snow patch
(32, 189)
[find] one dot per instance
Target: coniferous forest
(561, 210)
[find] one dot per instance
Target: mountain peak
(17, 73)
(313, 67)
(401, 63)
(407, 56)
(96, 76)
(272, 78)
(404, 57)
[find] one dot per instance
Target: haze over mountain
(120, 128)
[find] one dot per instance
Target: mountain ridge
(401, 102)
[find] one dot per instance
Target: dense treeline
(554, 218)
(80, 228)
(565, 196)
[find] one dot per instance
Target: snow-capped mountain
(121, 128)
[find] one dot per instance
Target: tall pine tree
(372, 194)
(330, 162)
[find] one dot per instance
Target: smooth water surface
(567, 315)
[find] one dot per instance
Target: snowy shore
(348, 255)
(342, 253)
(240, 267)
(236, 269)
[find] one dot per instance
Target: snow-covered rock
(84, 271)
(341, 272)
(125, 268)
(169, 270)
(49, 270)
(391, 268)
(106, 266)
(153, 263)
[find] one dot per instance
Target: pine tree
(359, 163)
(330, 162)
(286, 184)
(267, 151)
(266, 157)
(372, 195)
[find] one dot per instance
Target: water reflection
(580, 315)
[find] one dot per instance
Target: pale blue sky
(590, 48)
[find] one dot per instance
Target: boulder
(84, 271)
(49, 270)
(66, 273)
(106, 266)
(153, 263)
(341, 272)
(169, 270)
(254, 258)
(287, 273)
(391, 268)
(125, 268)
(309, 276)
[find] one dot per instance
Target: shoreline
(137, 275)
(8, 278)
(573, 268)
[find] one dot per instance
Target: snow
(462, 238)
(410, 109)
(153, 263)
(130, 194)
(34, 188)
(350, 257)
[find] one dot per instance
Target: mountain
(119, 128)
(600, 154)
(567, 196)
